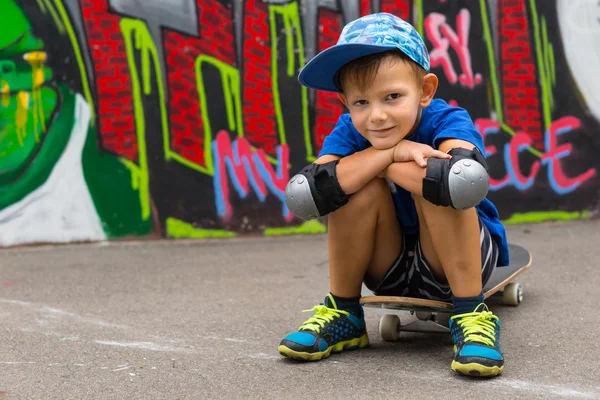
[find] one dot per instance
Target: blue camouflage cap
(374, 33)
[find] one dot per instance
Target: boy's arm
(353, 172)
(325, 185)
(409, 175)
(450, 144)
(356, 170)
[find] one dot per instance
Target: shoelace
(478, 327)
(323, 314)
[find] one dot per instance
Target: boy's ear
(430, 85)
(343, 99)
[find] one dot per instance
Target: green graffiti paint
(293, 31)
(78, 57)
(310, 156)
(37, 117)
(179, 229)
(18, 141)
(543, 74)
(112, 186)
(307, 228)
(138, 38)
(18, 74)
(26, 43)
(549, 54)
(14, 24)
(273, 10)
(549, 65)
(46, 6)
(489, 42)
(543, 216)
(231, 87)
(511, 132)
(39, 166)
(128, 28)
(27, 102)
(42, 6)
(497, 99)
(418, 18)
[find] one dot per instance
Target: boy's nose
(377, 115)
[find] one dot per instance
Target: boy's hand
(407, 150)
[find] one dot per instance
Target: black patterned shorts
(410, 275)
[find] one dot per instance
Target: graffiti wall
(184, 118)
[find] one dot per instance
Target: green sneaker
(476, 337)
(329, 330)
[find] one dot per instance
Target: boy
(436, 235)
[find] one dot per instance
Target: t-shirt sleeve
(344, 139)
(454, 123)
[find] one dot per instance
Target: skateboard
(432, 316)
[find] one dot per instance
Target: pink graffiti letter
(247, 168)
(560, 183)
(442, 36)
(487, 127)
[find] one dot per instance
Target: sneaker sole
(474, 369)
(353, 344)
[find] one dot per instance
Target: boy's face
(387, 110)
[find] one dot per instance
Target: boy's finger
(420, 160)
(441, 154)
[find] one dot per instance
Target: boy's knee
(442, 214)
(372, 194)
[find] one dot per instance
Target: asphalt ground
(202, 320)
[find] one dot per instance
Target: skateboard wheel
(424, 315)
(389, 325)
(513, 294)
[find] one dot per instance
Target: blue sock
(464, 305)
(351, 304)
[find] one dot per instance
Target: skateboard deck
(432, 316)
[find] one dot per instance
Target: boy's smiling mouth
(381, 132)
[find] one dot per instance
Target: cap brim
(318, 73)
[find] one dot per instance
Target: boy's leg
(451, 243)
(364, 239)
(449, 240)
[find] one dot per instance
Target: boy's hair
(363, 70)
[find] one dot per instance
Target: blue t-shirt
(439, 122)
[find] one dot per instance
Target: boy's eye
(394, 96)
(360, 102)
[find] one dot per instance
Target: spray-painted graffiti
(247, 166)
(442, 36)
(185, 118)
(552, 156)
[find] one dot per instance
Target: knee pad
(315, 191)
(461, 182)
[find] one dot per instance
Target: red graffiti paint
(555, 152)
(520, 92)
(488, 127)
(250, 157)
(113, 79)
(520, 142)
(260, 120)
(216, 40)
(400, 8)
(327, 105)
